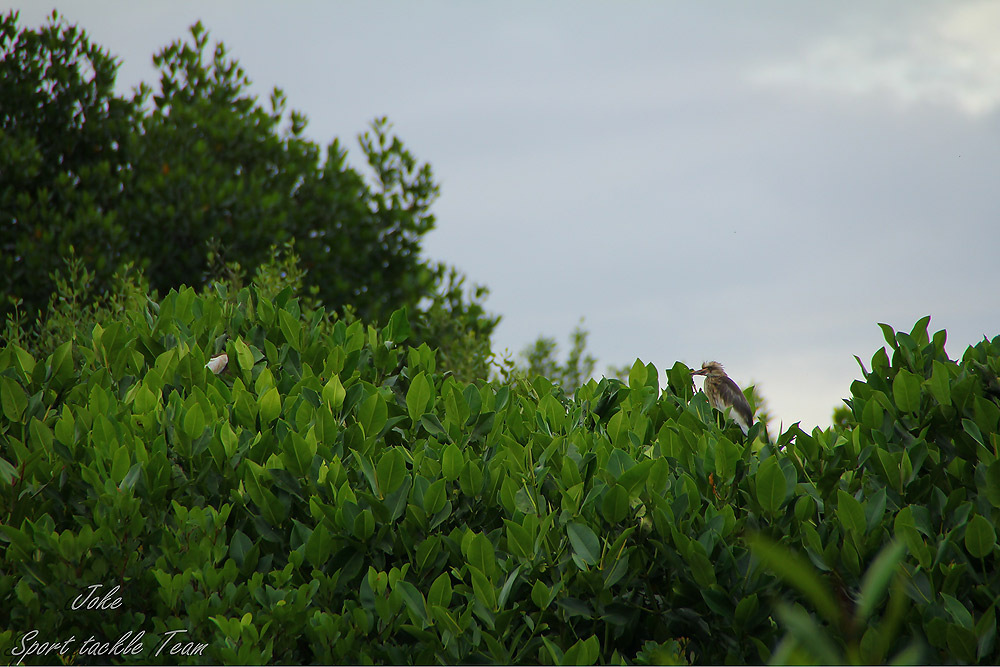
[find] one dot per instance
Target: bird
(722, 392)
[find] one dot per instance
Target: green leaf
(61, 363)
(615, 505)
(66, 427)
(433, 425)
(919, 331)
(373, 414)
(228, 438)
(771, 485)
(986, 629)
(298, 453)
(194, 420)
(540, 594)
(793, 569)
(701, 567)
(132, 476)
(555, 653)
(583, 652)
(319, 546)
(13, 398)
(972, 429)
(471, 478)
(434, 497)
(961, 643)
(636, 476)
(7, 472)
(508, 586)
(906, 391)
(889, 334)
(482, 555)
(851, 513)
(41, 434)
(334, 392)
(412, 598)
(874, 508)
(877, 578)
(390, 471)
(980, 537)
(364, 525)
(456, 406)
(290, 327)
(269, 406)
(239, 546)
(637, 375)
(809, 635)
(398, 328)
(244, 356)
(585, 542)
(120, 464)
(451, 462)
(483, 589)
(618, 428)
(145, 400)
(19, 539)
(368, 470)
(22, 359)
(992, 490)
(418, 396)
(518, 540)
(940, 383)
(445, 619)
(958, 611)
(872, 414)
(746, 609)
(440, 592)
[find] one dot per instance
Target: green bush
(332, 496)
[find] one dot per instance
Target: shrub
(332, 496)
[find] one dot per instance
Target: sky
(754, 183)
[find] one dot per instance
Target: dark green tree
(195, 174)
(63, 158)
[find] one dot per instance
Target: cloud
(946, 56)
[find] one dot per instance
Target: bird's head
(710, 368)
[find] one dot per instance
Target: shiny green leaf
(269, 406)
(585, 543)
(13, 399)
(980, 537)
(771, 485)
(418, 396)
(906, 391)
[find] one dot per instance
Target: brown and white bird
(723, 393)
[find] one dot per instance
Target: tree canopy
(192, 174)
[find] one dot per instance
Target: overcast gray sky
(754, 183)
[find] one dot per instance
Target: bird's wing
(731, 394)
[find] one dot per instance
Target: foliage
(64, 142)
(454, 323)
(333, 497)
(194, 176)
(344, 492)
(75, 306)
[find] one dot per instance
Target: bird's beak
(703, 371)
